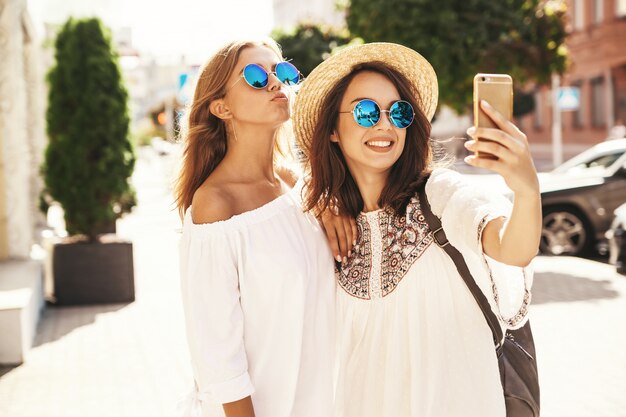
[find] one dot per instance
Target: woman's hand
(341, 233)
(510, 146)
(515, 240)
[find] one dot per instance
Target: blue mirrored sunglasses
(257, 77)
(367, 113)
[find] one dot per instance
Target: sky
(167, 29)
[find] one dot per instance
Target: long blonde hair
(204, 134)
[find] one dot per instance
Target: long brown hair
(204, 134)
(330, 182)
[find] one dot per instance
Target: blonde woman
(256, 271)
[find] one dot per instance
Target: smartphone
(497, 90)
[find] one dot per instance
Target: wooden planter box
(93, 273)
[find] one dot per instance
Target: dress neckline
(255, 215)
(373, 214)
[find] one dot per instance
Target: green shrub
(89, 158)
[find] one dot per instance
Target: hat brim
(314, 89)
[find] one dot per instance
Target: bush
(89, 158)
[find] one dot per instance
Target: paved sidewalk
(131, 360)
(114, 360)
(579, 324)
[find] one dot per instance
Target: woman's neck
(250, 153)
(371, 186)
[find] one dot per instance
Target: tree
(89, 158)
(524, 38)
(310, 44)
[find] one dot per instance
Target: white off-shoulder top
(258, 294)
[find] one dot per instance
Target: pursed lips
(279, 96)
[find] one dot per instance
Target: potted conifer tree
(87, 166)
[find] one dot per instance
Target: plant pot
(93, 272)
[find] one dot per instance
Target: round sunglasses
(257, 77)
(367, 113)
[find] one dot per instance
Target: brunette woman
(412, 339)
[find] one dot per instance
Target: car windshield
(589, 163)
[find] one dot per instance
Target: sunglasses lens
(366, 113)
(255, 76)
(401, 114)
(287, 73)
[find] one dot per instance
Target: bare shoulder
(211, 204)
(287, 175)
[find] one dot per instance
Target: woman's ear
(220, 109)
(334, 137)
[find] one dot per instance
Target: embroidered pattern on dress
(373, 219)
(354, 276)
(403, 239)
(523, 311)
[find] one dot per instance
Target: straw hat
(320, 82)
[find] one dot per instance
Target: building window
(579, 14)
(620, 8)
(577, 115)
(599, 11)
(598, 114)
(539, 107)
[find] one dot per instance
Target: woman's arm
(214, 319)
(341, 232)
(514, 241)
(240, 408)
(286, 174)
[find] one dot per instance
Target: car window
(596, 163)
(603, 161)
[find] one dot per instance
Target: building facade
(597, 45)
(22, 137)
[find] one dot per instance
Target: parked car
(579, 198)
(616, 237)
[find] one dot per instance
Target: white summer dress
(412, 340)
(259, 300)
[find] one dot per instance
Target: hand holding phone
(498, 144)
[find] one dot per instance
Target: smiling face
(268, 106)
(371, 150)
(344, 157)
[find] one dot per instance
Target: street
(131, 360)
